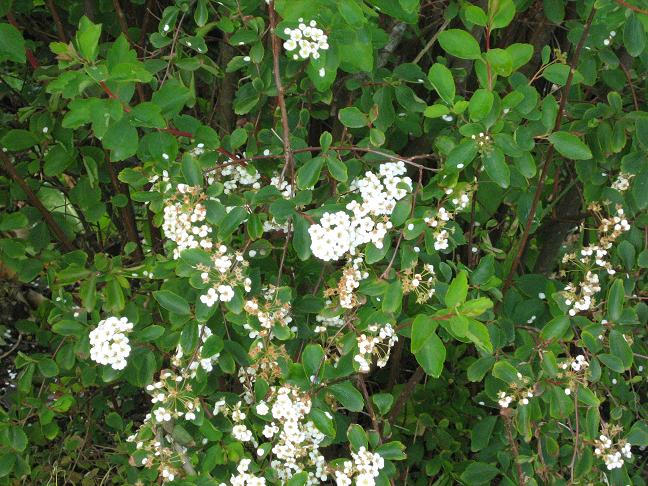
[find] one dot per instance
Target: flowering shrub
(312, 242)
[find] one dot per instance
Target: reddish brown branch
(625, 4)
(281, 101)
(57, 21)
(127, 212)
(34, 201)
(28, 53)
(632, 89)
(549, 154)
(406, 393)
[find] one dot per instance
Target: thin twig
(13, 348)
(514, 447)
(549, 154)
(57, 21)
(625, 4)
(431, 42)
(406, 393)
(632, 90)
(576, 436)
(34, 201)
(281, 101)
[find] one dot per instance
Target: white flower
(109, 344)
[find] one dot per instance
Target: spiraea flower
(306, 40)
(614, 454)
(377, 342)
(109, 342)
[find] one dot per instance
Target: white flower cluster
(324, 323)
(308, 38)
(352, 275)
(227, 270)
(244, 478)
(364, 468)
(593, 257)
(338, 233)
(610, 38)
(172, 397)
(378, 345)
(109, 343)
(296, 439)
(269, 313)
(183, 221)
(421, 283)
(612, 455)
(207, 364)
(239, 175)
(504, 399)
(577, 364)
(622, 182)
(438, 222)
(483, 141)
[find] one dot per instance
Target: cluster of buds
(613, 454)
(458, 201)
(483, 140)
(610, 38)
(226, 271)
(581, 297)
(269, 313)
(197, 360)
(172, 397)
(420, 283)
(378, 344)
(352, 274)
(519, 391)
(309, 39)
(622, 182)
(574, 371)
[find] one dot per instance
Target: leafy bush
(324, 242)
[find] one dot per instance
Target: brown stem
(549, 154)
(30, 55)
(514, 447)
(632, 7)
(57, 20)
(576, 436)
(127, 212)
(632, 89)
(34, 201)
(406, 393)
(370, 409)
(281, 101)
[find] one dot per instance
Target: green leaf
(634, 35)
(505, 371)
(141, 367)
(557, 74)
(121, 139)
(88, 38)
(612, 362)
(615, 299)
(17, 438)
(423, 327)
(442, 81)
(172, 302)
(462, 155)
(309, 173)
(69, 328)
(555, 328)
(480, 104)
(481, 433)
(475, 15)
(500, 13)
(18, 140)
(337, 168)
(352, 12)
(147, 115)
(620, 348)
(570, 146)
(298, 479)
(48, 367)
(435, 111)
(312, 359)
(392, 451)
(323, 423)
(457, 291)
(393, 297)
(347, 395)
(357, 437)
(459, 43)
(638, 434)
(12, 44)
(479, 473)
(496, 167)
(479, 368)
(231, 222)
(432, 355)
(352, 117)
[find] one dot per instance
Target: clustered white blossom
(378, 345)
(324, 323)
(309, 39)
(339, 233)
(109, 342)
(272, 311)
(364, 468)
(520, 391)
(622, 182)
(581, 297)
(200, 361)
(239, 175)
(184, 217)
(613, 454)
(225, 272)
(610, 38)
(421, 283)
(438, 222)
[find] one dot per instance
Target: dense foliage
(364, 242)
